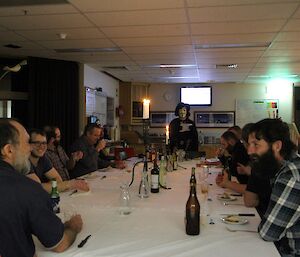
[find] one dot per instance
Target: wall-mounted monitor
(197, 96)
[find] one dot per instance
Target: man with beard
(277, 160)
(25, 207)
(183, 132)
(56, 154)
(258, 190)
(238, 155)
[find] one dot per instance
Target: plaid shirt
(59, 158)
(281, 221)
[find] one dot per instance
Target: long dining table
(155, 226)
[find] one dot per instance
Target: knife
(83, 242)
(238, 214)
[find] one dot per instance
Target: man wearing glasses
(41, 168)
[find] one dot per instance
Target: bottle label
(154, 181)
(55, 204)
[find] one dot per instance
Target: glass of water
(125, 206)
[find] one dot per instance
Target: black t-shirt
(25, 210)
(238, 155)
(89, 161)
(44, 165)
(263, 189)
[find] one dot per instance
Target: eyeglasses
(38, 143)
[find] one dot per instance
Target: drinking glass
(125, 207)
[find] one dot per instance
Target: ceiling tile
(90, 43)
(158, 49)
(153, 41)
(146, 31)
(53, 34)
(237, 53)
(285, 45)
(161, 56)
(10, 36)
(117, 5)
(37, 10)
(234, 39)
(236, 27)
(288, 36)
(168, 16)
(203, 3)
(242, 13)
(45, 22)
(292, 25)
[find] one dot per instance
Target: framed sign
(214, 119)
(161, 119)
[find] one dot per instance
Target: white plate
(226, 197)
(237, 220)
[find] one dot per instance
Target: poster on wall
(253, 110)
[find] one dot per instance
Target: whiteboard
(253, 110)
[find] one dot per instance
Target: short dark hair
(50, 132)
(8, 133)
(180, 106)
(272, 130)
(37, 132)
(227, 135)
(89, 128)
(246, 130)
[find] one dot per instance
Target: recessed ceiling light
(245, 45)
(275, 76)
(226, 66)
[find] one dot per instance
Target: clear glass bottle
(163, 172)
(155, 177)
(55, 198)
(125, 206)
(144, 188)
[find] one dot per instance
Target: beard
(22, 164)
(56, 143)
(265, 166)
(230, 149)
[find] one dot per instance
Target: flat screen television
(197, 96)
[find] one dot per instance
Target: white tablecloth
(156, 225)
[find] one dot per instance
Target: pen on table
(239, 214)
(83, 242)
(181, 167)
(73, 192)
(103, 177)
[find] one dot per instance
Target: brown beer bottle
(192, 212)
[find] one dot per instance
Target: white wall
(94, 79)
(224, 96)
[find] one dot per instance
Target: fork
(242, 230)
(225, 203)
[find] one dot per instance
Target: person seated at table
(238, 155)
(236, 130)
(279, 162)
(42, 170)
(90, 144)
(26, 208)
(258, 190)
(56, 154)
(183, 132)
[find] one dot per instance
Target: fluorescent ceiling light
(246, 45)
(179, 77)
(89, 50)
(171, 66)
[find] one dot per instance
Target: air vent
(226, 66)
(89, 50)
(115, 68)
(30, 2)
(12, 46)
